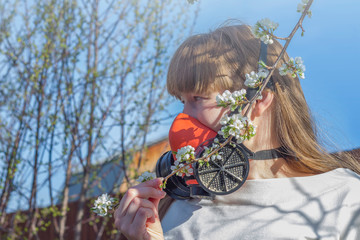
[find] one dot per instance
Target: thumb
(156, 201)
(154, 229)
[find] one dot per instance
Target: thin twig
(280, 38)
(289, 38)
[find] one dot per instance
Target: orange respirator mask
(187, 130)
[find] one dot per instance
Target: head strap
(250, 92)
(263, 53)
(280, 152)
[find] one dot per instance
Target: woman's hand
(137, 215)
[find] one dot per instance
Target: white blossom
(283, 69)
(186, 171)
(267, 23)
(299, 63)
(184, 153)
(209, 149)
(224, 120)
(184, 156)
(146, 176)
(232, 100)
(267, 39)
(254, 79)
(301, 7)
(239, 94)
(103, 204)
(264, 30)
(237, 126)
(223, 97)
(293, 67)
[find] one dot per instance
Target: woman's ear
(262, 105)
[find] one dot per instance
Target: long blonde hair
(219, 60)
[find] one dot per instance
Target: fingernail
(161, 193)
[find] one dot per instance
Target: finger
(145, 190)
(140, 219)
(137, 229)
(144, 193)
(124, 223)
(153, 183)
(138, 203)
(155, 202)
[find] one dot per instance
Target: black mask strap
(266, 154)
(263, 53)
(250, 92)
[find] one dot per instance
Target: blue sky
(330, 49)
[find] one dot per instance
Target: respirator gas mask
(220, 176)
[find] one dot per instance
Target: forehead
(210, 94)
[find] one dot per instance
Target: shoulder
(340, 187)
(340, 179)
(349, 209)
(340, 175)
(348, 179)
(336, 187)
(350, 185)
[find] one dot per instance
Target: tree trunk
(90, 147)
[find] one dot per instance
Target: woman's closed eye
(199, 98)
(194, 99)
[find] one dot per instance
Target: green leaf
(262, 64)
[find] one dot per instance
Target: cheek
(221, 113)
(211, 118)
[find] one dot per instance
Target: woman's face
(204, 108)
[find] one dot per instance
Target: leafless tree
(80, 80)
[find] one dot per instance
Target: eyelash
(195, 98)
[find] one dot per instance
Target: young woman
(310, 194)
